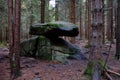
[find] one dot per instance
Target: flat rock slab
(55, 29)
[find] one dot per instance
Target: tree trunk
(80, 24)
(110, 21)
(6, 34)
(14, 37)
(56, 10)
(88, 26)
(96, 39)
(118, 32)
(115, 14)
(31, 17)
(103, 24)
(42, 11)
(86, 20)
(11, 37)
(72, 16)
(47, 11)
(16, 54)
(0, 35)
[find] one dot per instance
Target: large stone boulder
(29, 47)
(48, 44)
(42, 47)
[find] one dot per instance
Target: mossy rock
(48, 41)
(42, 48)
(55, 29)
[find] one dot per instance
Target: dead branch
(108, 55)
(113, 72)
(114, 69)
(108, 76)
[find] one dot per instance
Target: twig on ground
(108, 76)
(114, 69)
(113, 72)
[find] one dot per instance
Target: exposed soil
(34, 69)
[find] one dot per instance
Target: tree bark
(80, 23)
(72, 16)
(0, 35)
(47, 11)
(96, 38)
(14, 37)
(118, 32)
(11, 37)
(16, 54)
(115, 14)
(42, 11)
(31, 13)
(110, 21)
(56, 10)
(86, 20)
(103, 24)
(88, 27)
(17, 34)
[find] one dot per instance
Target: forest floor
(34, 69)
